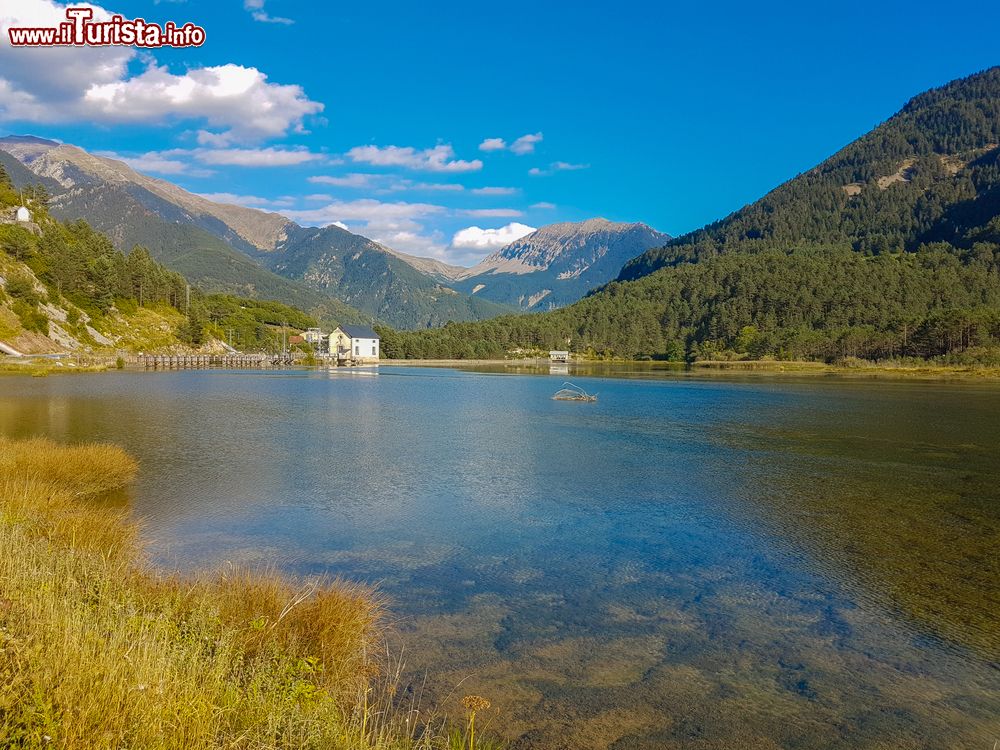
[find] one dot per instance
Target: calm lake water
(688, 562)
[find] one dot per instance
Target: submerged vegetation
(96, 650)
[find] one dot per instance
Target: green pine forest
(890, 249)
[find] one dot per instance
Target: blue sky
(447, 128)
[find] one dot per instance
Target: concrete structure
(23, 214)
(358, 343)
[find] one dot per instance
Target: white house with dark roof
(355, 342)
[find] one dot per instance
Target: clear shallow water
(686, 563)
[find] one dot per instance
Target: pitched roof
(360, 332)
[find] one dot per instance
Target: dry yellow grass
(97, 651)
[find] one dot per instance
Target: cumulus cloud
(493, 144)
(441, 158)
(476, 238)
(543, 205)
(249, 201)
(95, 84)
(183, 160)
(436, 187)
(158, 163)
(256, 9)
(521, 146)
(525, 144)
(494, 191)
(400, 225)
(255, 157)
(556, 166)
(383, 183)
(348, 180)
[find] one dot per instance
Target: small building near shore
(360, 343)
(558, 356)
(315, 338)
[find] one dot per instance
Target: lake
(698, 562)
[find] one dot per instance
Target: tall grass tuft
(98, 651)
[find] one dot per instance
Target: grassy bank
(40, 367)
(98, 651)
(920, 369)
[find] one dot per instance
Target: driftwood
(572, 392)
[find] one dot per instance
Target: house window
(373, 350)
(357, 351)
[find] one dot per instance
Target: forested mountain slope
(373, 278)
(890, 248)
(65, 287)
(928, 173)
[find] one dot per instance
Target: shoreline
(740, 367)
(44, 366)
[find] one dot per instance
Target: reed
(99, 651)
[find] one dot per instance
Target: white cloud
(255, 157)
(437, 187)
(493, 144)
(318, 197)
(556, 166)
(441, 158)
(399, 225)
(494, 191)
(256, 9)
(521, 146)
(348, 180)
(476, 238)
(543, 205)
(177, 161)
(68, 84)
(494, 213)
(158, 163)
(383, 183)
(525, 144)
(249, 201)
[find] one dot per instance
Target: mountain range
(889, 248)
(558, 264)
(334, 273)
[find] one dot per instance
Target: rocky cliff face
(558, 264)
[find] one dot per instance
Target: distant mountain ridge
(559, 263)
(242, 250)
(330, 271)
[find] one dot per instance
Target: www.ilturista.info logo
(81, 30)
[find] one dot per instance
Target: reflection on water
(686, 563)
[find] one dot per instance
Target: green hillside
(367, 276)
(890, 248)
(65, 286)
(928, 173)
(202, 258)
